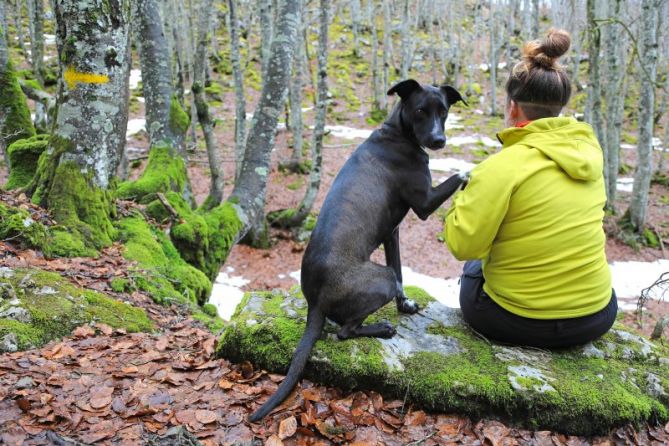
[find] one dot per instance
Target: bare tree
(639, 204)
(36, 27)
(89, 132)
(296, 85)
(250, 189)
(204, 117)
(355, 25)
(615, 64)
(240, 99)
(593, 111)
(387, 52)
(372, 11)
(291, 219)
(266, 25)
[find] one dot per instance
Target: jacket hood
(571, 144)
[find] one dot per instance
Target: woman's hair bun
(546, 52)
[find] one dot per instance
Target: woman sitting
(530, 219)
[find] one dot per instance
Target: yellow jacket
(533, 213)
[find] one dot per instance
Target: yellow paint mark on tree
(73, 77)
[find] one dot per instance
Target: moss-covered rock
(161, 272)
(38, 306)
(23, 157)
(437, 363)
(164, 172)
(17, 224)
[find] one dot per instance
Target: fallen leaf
(101, 397)
(287, 427)
(104, 328)
(84, 331)
(273, 441)
(225, 384)
(205, 416)
(247, 369)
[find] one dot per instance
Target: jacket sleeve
(477, 212)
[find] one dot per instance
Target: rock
(17, 314)
(25, 383)
(5, 272)
(7, 291)
(9, 343)
(436, 362)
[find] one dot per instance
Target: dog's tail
(315, 323)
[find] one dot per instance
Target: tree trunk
(18, 24)
(250, 189)
(204, 117)
(615, 65)
(3, 21)
(376, 101)
(639, 203)
(593, 113)
(493, 60)
(265, 15)
(535, 18)
(387, 34)
(355, 25)
(15, 122)
(36, 21)
(296, 85)
(292, 219)
(240, 99)
(166, 121)
(88, 135)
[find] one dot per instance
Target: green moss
(56, 307)
(179, 119)
(17, 224)
(377, 116)
(15, 123)
(119, 285)
(214, 91)
(164, 172)
(295, 185)
(210, 310)
(161, 272)
(23, 156)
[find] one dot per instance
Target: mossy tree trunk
(251, 186)
(166, 121)
(292, 218)
(15, 122)
(639, 204)
(75, 176)
(36, 27)
(204, 117)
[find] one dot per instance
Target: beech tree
(84, 150)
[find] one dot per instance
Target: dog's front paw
(408, 306)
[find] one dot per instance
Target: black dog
(385, 177)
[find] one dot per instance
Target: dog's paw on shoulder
(407, 306)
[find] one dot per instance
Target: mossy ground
(56, 307)
(23, 157)
(573, 391)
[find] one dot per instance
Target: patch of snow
(629, 278)
(627, 146)
(342, 131)
(135, 79)
(450, 165)
(140, 99)
(135, 126)
(226, 294)
(49, 39)
(624, 184)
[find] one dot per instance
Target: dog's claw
(407, 306)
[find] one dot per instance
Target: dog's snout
(439, 142)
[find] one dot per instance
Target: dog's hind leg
(375, 286)
(392, 249)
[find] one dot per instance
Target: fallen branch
(659, 328)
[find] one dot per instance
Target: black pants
(491, 320)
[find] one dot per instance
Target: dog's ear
(405, 88)
(452, 95)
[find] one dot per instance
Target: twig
(421, 441)
(168, 206)
(662, 281)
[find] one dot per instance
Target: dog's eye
(420, 111)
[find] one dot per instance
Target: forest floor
(104, 386)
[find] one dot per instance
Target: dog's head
(424, 110)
